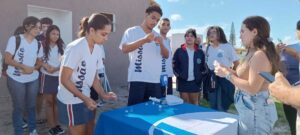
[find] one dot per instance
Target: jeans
(257, 114)
(23, 96)
(215, 100)
(222, 97)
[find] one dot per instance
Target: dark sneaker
(59, 130)
(52, 131)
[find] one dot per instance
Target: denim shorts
(49, 84)
(257, 113)
(74, 114)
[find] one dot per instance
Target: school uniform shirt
(190, 53)
(182, 63)
(54, 60)
(84, 65)
(145, 62)
(224, 54)
(167, 62)
(26, 54)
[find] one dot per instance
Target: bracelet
(228, 76)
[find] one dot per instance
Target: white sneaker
(33, 133)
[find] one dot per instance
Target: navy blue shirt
(291, 64)
(180, 63)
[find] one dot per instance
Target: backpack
(209, 79)
(18, 43)
(4, 65)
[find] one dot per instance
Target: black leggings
(291, 116)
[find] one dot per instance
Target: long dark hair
(96, 21)
(221, 35)
(19, 30)
(263, 41)
(59, 42)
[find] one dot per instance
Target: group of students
(67, 75)
(24, 56)
(36, 63)
(28, 58)
(257, 112)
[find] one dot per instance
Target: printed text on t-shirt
(138, 61)
(163, 65)
(20, 59)
(81, 76)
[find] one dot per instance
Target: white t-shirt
(191, 64)
(145, 61)
(84, 65)
(26, 54)
(167, 63)
(224, 54)
(54, 60)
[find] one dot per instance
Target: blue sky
(281, 14)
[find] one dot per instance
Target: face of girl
(101, 35)
(247, 36)
(190, 39)
(35, 30)
(213, 35)
(54, 36)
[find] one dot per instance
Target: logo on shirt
(198, 61)
(20, 59)
(138, 61)
(81, 76)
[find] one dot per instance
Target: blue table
(157, 119)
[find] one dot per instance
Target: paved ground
(6, 109)
(6, 128)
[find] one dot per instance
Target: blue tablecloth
(139, 119)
